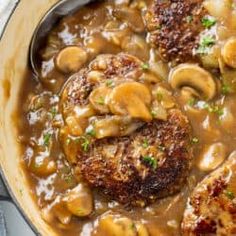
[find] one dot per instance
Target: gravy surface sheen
(174, 66)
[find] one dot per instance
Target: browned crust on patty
(174, 27)
(126, 177)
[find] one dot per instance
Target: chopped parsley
(132, 226)
(226, 89)
(101, 101)
(82, 140)
(206, 42)
(68, 141)
(68, 178)
(208, 21)
(53, 112)
(154, 114)
(214, 109)
(150, 161)
(217, 110)
(229, 194)
(145, 66)
(85, 142)
(189, 19)
(109, 83)
(46, 139)
(195, 140)
(191, 102)
(90, 131)
(159, 97)
(145, 143)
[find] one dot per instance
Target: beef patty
(150, 163)
(174, 27)
(211, 208)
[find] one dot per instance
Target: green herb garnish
(145, 66)
(132, 226)
(68, 178)
(191, 102)
(214, 109)
(85, 142)
(229, 194)
(195, 140)
(189, 19)
(150, 161)
(226, 89)
(68, 141)
(145, 143)
(101, 101)
(90, 131)
(159, 97)
(109, 83)
(208, 22)
(206, 42)
(46, 139)
(154, 114)
(53, 112)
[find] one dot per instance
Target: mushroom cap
(229, 52)
(139, 97)
(195, 77)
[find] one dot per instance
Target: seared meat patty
(151, 162)
(130, 172)
(211, 209)
(174, 27)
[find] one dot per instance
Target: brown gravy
(101, 31)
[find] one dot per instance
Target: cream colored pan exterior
(13, 61)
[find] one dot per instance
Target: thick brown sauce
(161, 218)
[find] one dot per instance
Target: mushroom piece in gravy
(128, 129)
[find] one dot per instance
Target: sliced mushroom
(99, 99)
(212, 156)
(111, 225)
(70, 147)
(141, 229)
(136, 46)
(70, 59)
(218, 8)
(75, 128)
(131, 98)
(95, 43)
(58, 210)
(79, 201)
(211, 59)
(43, 166)
(158, 111)
(95, 76)
(163, 96)
(193, 76)
(229, 52)
(149, 77)
(132, 17)
(115, 126)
